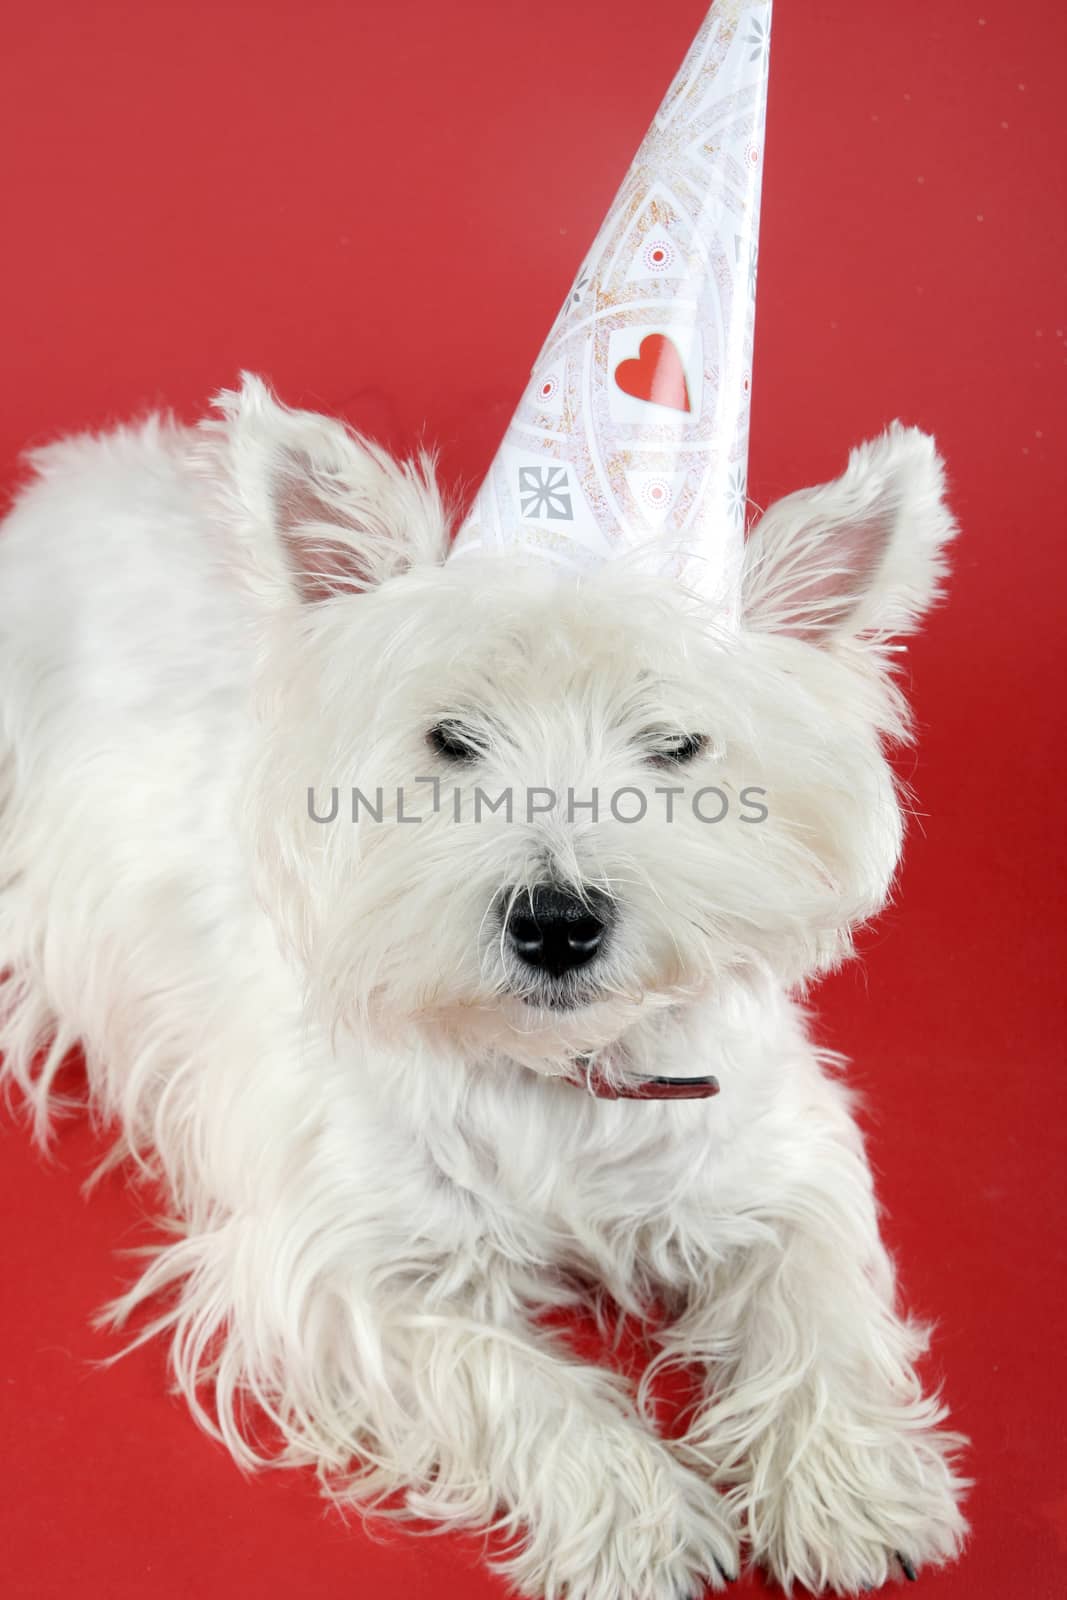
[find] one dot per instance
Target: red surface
(380, 207)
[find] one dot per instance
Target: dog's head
(529, 809)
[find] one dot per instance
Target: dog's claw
(907, 1567)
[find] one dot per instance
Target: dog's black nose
(556, 931)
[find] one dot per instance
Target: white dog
(386, 1069)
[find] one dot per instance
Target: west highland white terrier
(407, 911)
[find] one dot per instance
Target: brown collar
(592, 1078)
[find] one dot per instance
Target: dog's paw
(640, 1527)
(848, 1517)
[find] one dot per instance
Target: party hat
(632, 436)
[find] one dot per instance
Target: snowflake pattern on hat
(543, 492)
(632, 436)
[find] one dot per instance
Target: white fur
(314, 1037)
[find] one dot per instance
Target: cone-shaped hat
(633, 433)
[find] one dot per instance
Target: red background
(380, 207)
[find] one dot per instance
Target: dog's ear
(863, 555)
(321, 511)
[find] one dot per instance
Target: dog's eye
(455, 742)
(675, 750)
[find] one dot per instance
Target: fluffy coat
(368, 1120)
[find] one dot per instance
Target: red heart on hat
(655, 374)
